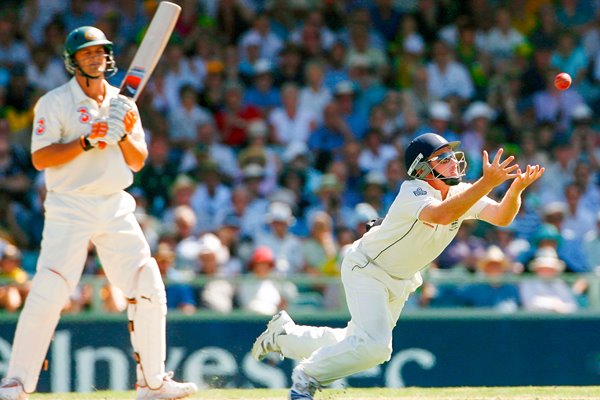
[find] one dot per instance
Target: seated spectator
(180, 296)
(547, 292)
(494, 293)
(376, 153)
(263, 94)
(16, 286)
(218, 293)
(591, 247)
(292, 121)
(263, 295)
(232, 120)
(185, 120)
(320, 248)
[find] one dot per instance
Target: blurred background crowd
(276, 130)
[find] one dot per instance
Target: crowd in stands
(276, 129)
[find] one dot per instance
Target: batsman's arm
(134, 151)
(57, 154)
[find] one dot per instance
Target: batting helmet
(86, 36)
(418, 153)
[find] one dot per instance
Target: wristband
(85, 143)
(124, 137)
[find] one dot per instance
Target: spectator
(15, 290)
(233, 119)
(477, 118)
(329, 138)
(291, 122)
(502, 40)
(355, 118)
(314, 96)
(376, 154)
(320, 248)
(218, 293)
(440, 117)
(591, 246)
(447, 77)
(262, 93)
(210, 195)
(264, 295)
(180, 295)
(261, 32)
(547, 292)
(186, 118)
(291, 64)
(45, 72)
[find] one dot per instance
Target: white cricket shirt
(403, 245)
(63, 115)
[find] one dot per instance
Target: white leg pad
(37, 322)
(147, 324)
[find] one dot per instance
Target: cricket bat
(152, 46)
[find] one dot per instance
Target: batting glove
(96, 137)
(121, 118)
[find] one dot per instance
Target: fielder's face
(444, 162)
(92, 60)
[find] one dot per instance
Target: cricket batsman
(383, 268)
(89, 140)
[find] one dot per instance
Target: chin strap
(451, 181)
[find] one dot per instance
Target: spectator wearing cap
(218, 293)
(207, 148)
(269, 42)
(286, 246)
(440, 118)
(232, 120)
(314, 96)
(360, 48)
(262, 93)
(263, 294)
(291, 122)
(494, 293)
(210, 195)
(180, 295)
(376, 154)
(13, 292)
(447, 77)
(591, 246)
(547, 292)
(345, 96)
(185, 120)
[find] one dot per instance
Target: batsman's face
(92, 59)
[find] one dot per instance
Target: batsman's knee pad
(48, 294)
(147, 324)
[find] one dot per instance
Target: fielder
(382, 268)
(88, 140)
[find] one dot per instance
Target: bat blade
(150, 50)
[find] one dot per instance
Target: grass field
(463, 393)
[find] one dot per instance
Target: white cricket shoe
(169, 390)
(303, 386)
(12, 389)
(266, 342)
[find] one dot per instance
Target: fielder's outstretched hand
(523, 179)
(497, 171)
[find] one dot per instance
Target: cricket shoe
(12, 389)
(303, 386)
(266, 342)
(169, 390)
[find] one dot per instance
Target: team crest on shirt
(40, 127)
(420, 192)
(454, 225)
(84, 115)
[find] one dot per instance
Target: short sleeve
(478, 207)
(411, 200)
(47, 127)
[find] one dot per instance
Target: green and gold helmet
(86, 36)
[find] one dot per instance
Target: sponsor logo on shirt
(84, 115)
(40, 127)
(420, 192)
(454, 226)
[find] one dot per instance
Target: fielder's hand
(496, 172)
(121, 119)
(524, 179)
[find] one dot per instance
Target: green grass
(461, 393)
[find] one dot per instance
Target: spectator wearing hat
(477, 119)
(185, 119)
(286, 246)
(291, 122)
(159, 173)
(446, 76)
(232, 120)
(15, 290)
(440, 118)
(547, 292)
(218, 293)
(207, 148)
(262, 93)
(262, 294)
(314, 95)
(210, 195)
(494, 293)
(180, 295)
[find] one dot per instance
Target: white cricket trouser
(71, 222)
(375, 301)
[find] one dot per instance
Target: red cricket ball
(562, 81)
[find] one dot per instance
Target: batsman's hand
(496, 171)
(121, 118)
(523, 179)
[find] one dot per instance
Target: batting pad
(48, 295)
(147, 325)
